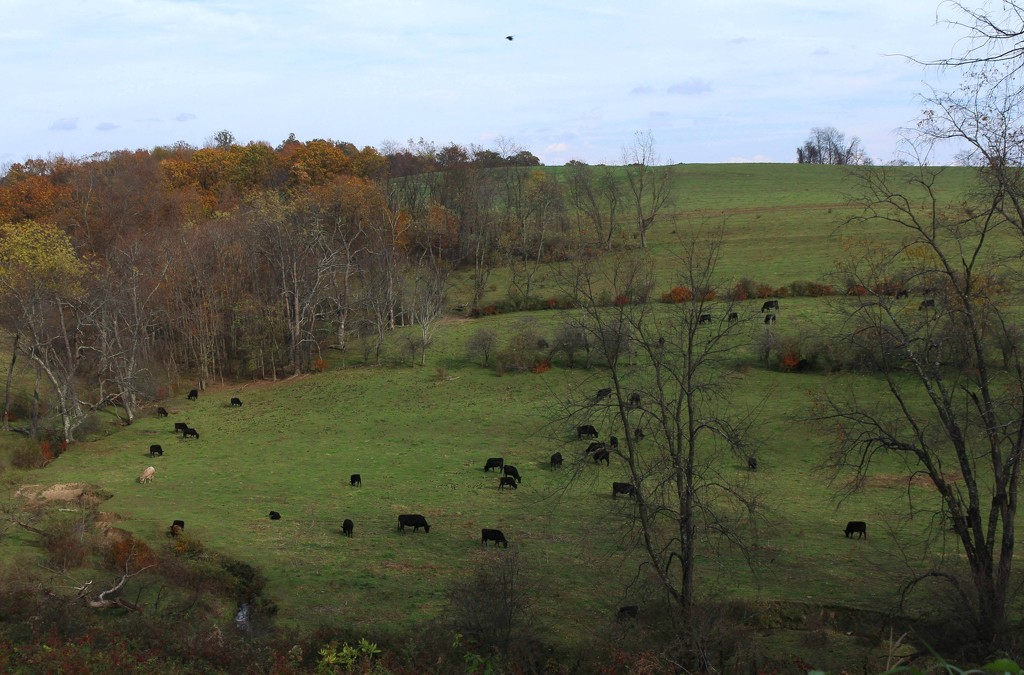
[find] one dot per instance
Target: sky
(722, 81)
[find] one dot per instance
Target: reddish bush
(46, 450)
(552, 303)
(541, 366)
(765, 291)
(319, 365)
(489, 310)
(621, 300)
(790, 361)
(677, 295)
(739, 292)
(856, 289)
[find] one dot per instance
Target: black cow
(510, 470)
(634, 399)
(627, 612)
(613, 442)
(492, 535)
(494, 463)
(415, 521)
(556, 460)
(355, 480)
(902, 293)
(769, 318)
(193, 395)
(623, 489)
(180, 426)
(508, 481)
(752, 463)
(602, 454)
(594, 447)
(733, 316)
(179, 523)
(236, 403)
(346, 527)
(586, 430)
(770, 305)
(603, 393)
(155, 450)
(176, 528)
(926, 303)
(274, 515)
(856, 526)
(190, 432)
(704, 318)
(639, 434)
(161, 412)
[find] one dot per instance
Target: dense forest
(250, 260)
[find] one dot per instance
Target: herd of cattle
(510, 477)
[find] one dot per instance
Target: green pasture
(419, 440)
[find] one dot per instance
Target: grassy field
(420, 436)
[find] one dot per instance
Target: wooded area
(249, 261)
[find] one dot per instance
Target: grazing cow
(634, 399)
(346, 527)
(639, 434)
(190, 432)
(752, 463)
(627, 612)
(236, 403)
(603, 393)
(494, 463)
(507, 481)
(492, 535)
(926, 303)
(594, 447)
(602, 454)
(556, 460)
(733, 316)
(180, 426)
(161, 412)
(274, 515)
(147, 475)
(176, 528)
(193, 395)
(179, 523)
(704, 318)
(770, 305)
(586, 430)
(902, 293)
(155, 450)
(613, 442)
(355, 480)
(415, 521)
(856, 526)
(510, 470)
(769, 318)
(623, 489)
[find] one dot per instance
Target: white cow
(147, 475)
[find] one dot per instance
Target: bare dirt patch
(81, 494)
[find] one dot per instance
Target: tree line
(250, 260)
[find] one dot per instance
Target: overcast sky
(721, 81)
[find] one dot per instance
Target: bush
(520, 352)
(677, 295)
(28, 455)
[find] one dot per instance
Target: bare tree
(649, 185)
(668, 372)
(596, 193)
(948, 410)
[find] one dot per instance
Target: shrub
(677, 295)
(621, 300)
(541, 366)
(520, 352)
(28, 455)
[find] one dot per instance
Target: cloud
(740, 40)
(749, 160)
(106, 126)
(642, 90)
(556, 147)
(820, 51)
(694, 85)
(65, 124)
(184, 117)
